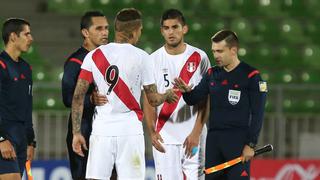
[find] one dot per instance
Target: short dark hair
(173, 14)
(127, 20)
(86, 19)
(13, 25)
(229, 36)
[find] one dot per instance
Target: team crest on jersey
(191, 67)
(234, 96)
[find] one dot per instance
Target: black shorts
(17, 136)
(222, 146)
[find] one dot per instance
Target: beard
(174, 44)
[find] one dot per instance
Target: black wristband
(2, 138)
(33, 143)
(252, 145)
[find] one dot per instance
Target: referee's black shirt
(237, 99)
(15, 94)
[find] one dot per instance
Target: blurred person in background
(237, 101)
(177, 130)
(94, 28)
(17, 139)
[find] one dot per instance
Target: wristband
(33, 143)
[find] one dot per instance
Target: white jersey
(176, 121)
(119, 71)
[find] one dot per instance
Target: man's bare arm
(77, 104)
(193, 139)
(155, 99)
(150, 117)
(202, 115)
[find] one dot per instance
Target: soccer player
(119, 69)
(237, 100)
(177, 130)
(94, 30)
(17, 140)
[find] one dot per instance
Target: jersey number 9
(112, 77)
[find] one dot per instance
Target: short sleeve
(87, 62)
(86, 68)
(205, 63)
(147, 70)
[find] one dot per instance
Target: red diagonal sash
(120, 89)
(187, 71)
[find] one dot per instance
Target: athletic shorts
(126, 152)
(78, 163)
(17, 137)
(173, 164)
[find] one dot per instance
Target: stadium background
(279, 37)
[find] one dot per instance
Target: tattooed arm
(77, 110)
(77, 104)
(155, 98)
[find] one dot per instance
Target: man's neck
(88, 46)
(13, 52)
(232, 65)
(175, 50)
(122, 38)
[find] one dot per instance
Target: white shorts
(173, 164)
(126, 152)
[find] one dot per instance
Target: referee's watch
(252, 145)
(33, 143)
(2, 139)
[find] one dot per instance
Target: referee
(16, 130)
(94, 30)
(237, 99)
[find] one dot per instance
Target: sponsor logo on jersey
(234, 96)
(191, 67)
(165, 70)
(263, 86)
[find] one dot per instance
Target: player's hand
(98, 99)
(156, 139)
(247, 153)
(191, 144)
(7, 150)
(78, 142)
(171, 96)
(181, 85)
(30, 153)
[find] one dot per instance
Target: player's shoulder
(79, 53)
(2, 61)
(193, 48)
(77, 56)
(201, 52)
(128, 48)
(213, 70)
(25, 64)
(141, 51)
(4, 57)
(249, 70)
(158, 52)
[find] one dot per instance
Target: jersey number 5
(112, 77)
(165, 77)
